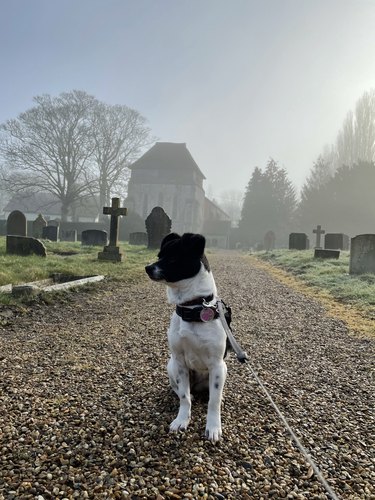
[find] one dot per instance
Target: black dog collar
(198, 314)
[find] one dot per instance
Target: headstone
(298, 241)
(54, 222)
(68, 235)
(318, 231)
(158, 225)
(50, 233)
(38, 224)
(269, 241)
(362, 254)
(22, 245)
(112, 251)
(94, 237)
(138, 238)
(16, 223)
(321, 253)
(336, 241)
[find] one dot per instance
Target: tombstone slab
(16, 223)
(320, 253)
(68, 235)
(362, 254)
(336, 241)
(298, 241)
(50, 233)
(38, 224)
(158, 225)
(318, 231)
(269, 241)
(94, 237)
(23, 245)
(138, 238)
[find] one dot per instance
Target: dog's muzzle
(154, 272)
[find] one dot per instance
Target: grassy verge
(71, 259)
(330, 276)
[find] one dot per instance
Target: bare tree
(49, 147)
(119, 134)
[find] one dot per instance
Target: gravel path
(85, 404)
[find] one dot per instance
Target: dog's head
(180, 257)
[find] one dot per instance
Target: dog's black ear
(193, 244)
(169, 237)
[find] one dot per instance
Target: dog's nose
(149, 269)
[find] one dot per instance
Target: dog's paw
(213, 433)
(179, 424)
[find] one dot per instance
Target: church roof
(167, 155)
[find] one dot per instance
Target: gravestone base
(110, 253)
(321, 253)
(24, 245)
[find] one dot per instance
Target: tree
(72, 146)
(49, 147)
(269, 205)
(312, 208)
(119, 134)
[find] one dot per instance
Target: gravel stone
(85, 404)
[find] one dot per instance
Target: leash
(242, 357)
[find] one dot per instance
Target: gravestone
(94, 237)
(68, 235)
(298, 241)
(22, 245)
(16, 223)
(112, 251)
(54, 222)
(158, 225)
(269, 241)
(321, 253)
(318, 231)
(138, 238)
(38, 224)
(50, 233)
(362, 254)
(336, 241)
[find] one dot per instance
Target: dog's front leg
(180, 382)
(217, 376)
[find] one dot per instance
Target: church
(168, 176)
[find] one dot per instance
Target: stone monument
(158, 225)
(112, 251)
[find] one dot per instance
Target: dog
(196, 336)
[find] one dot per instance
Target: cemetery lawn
(71, 259)
(330, 276)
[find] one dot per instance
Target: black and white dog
(196, 336)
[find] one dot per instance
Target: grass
(71, 259)
(329, 278)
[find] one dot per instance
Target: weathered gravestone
(318, 231)
(50, 233)
(16, 223)
(38, 224)
(158, 225)
(68, 235)
(323, 253)
(336, 241)
(138, 238)
(298, 241)
(269, 241)
(112, 251)
(362, 254)
(94, 237)
(22, 245)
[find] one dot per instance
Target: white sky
(238, 80)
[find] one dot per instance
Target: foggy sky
(238, 80)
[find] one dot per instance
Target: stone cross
(318, 231)
(112, 251)
(114, 211)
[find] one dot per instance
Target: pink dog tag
(207, 314)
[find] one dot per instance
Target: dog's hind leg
(180, 383)
(217, 375)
